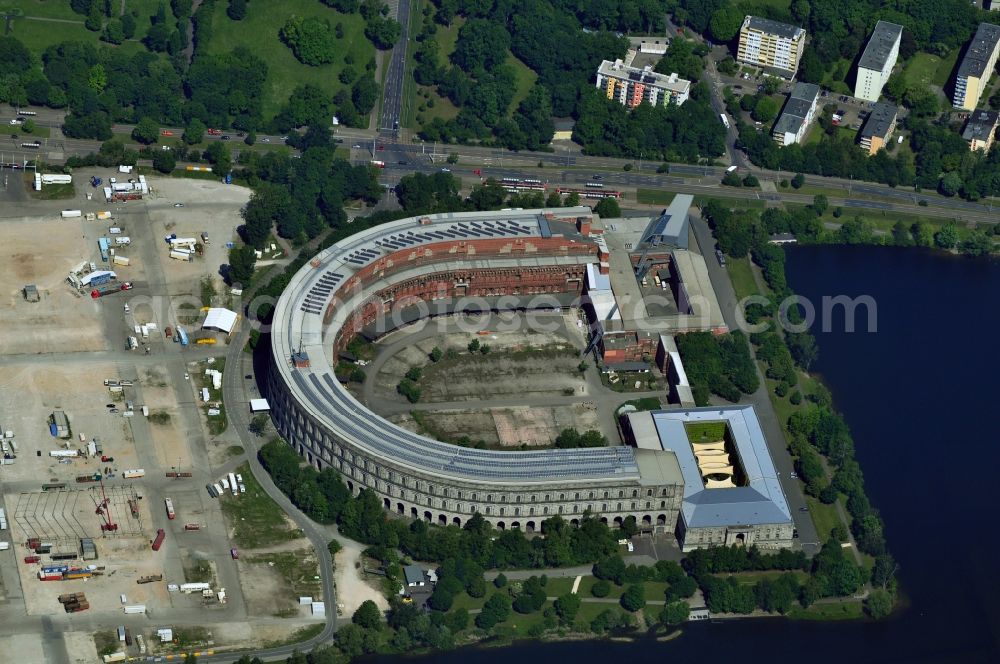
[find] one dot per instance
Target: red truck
(214, 132)
(167, 132)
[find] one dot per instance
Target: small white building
(220, 319)
(797, 115)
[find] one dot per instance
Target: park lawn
(845, 609)
(741, 274)
(39, 35)
(285, 73)
(446, 37)
(42, 8)
(525, 79)
(654, 196)
(924, 70)
(255, 519)
(824, 517)
(22, 136)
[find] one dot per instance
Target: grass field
(9, 130)
(525, 79)
(846, 609)
(705, 431)
(64, 24)
(264, 20)
(654, 196)
(742, 277)
(925, 69)
(256, 520)
(53, 192)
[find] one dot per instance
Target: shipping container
(180, 255)
(135, 608)
(150, 578)
(158, 542)
(121, 260)
(134, 472)
(192, 526)
(32, 559)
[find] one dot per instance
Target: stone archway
(400, 509)
(501, 525)
(661, 520)
(647, 520)
(516, 525)
(456, 522)
(618, 522)
(413, 513)
(386, 503)
(529, 527)
(604, 520)
(428, 517)
(575, 523)
(442, 520)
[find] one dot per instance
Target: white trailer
(56, 178)
(67, 454)
(123, 241)
(121, 260)
(195, 587)
(232, 484)
(133, 473)
(135, 608)
(69, 214)
(180, 255)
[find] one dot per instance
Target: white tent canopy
(259, 406)
(220, 319)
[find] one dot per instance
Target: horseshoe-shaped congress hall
(399, 272)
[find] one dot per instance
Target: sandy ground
(29, 649)
(80, 646)
(210, 207)
(255, 635)
(42, 252)
(352, 590)
(168, 442)
(28, 395)
(266, 592)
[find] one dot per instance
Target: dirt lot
(352, 590)
(168, 441)
(42, 251)
(210, 207)
(274, 578)
(507, 427)
(29, 394)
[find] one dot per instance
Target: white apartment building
(878, 60)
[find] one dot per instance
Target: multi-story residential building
(630, 86)
(878, 60)
(772, 45)
(797, 114)
(977, 67)
(878, 128)
(980, 129)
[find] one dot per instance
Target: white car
(126, 308)
(178, 205)
(239, 478)
(186, 377)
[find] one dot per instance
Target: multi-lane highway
(392, 97)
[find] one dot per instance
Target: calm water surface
(922, 396)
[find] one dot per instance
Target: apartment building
(630, 86)
(797, 115)
(772, 45)
(877, 61)
(878, 128)
(977, 67)
(980, 129)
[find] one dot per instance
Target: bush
(500, 581)
(634, 597)
(601, 588)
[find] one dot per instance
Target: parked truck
(69, 214)
(170, 508)
(158, 542)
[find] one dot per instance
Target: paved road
(392, 96)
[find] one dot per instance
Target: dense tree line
(324, 497)
(302, 197)
(718, 364)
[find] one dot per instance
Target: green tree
(634, 597)
(312, 41)
(798, 181)
(600, 588)
(94, 20)
(725, 23)
(674, 613)
(947, 237)
(765, 110)
(878, 604)
(572, 199)
(97, 78)
(382, 32)
(164, 161)
(146, 131)
(820, 204)
(500, 581)
(113, 32)
(566, 607)
(237, 10)
(28, 126)
(367, 615)
(608, 208)
(436, 354)
(950, 184)
(495, 610)
(194, 132)
(128, 25)
(241, 264)
(473, 346)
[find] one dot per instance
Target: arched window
(605, 494)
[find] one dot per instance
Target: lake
(922, 399)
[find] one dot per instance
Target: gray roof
(761, 501)
(884, 37)
(978, 53)
(671, 227)
(799, 103)
(413, 574)
(880, 120)
(298, 326)
(980, 125)
(773, 27)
